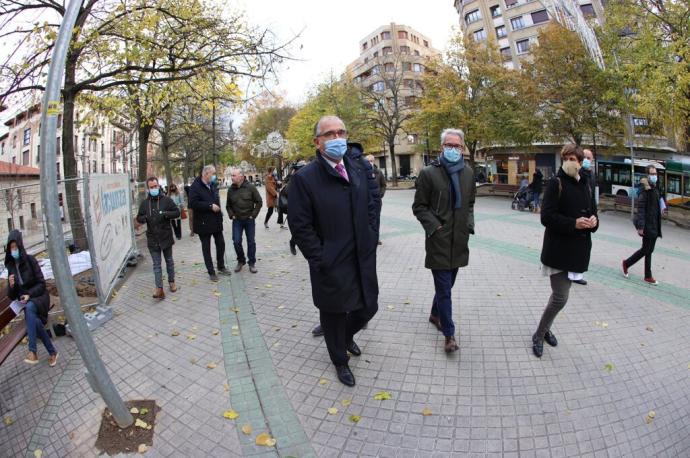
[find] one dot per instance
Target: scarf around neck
(453, 170)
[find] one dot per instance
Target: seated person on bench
(28, 287)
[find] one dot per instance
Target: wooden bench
(509, 189)
(12, 339)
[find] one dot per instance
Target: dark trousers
(247, 226)
(281, 215)
(157, 266)
(560, 289)
(339, 330)
(646, 252)
(442, 306)
(268, 215)
(177, 227)
(206, 250)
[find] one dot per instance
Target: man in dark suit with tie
(333, 222)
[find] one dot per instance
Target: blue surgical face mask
(336, 148)
(214, 178)
(586, 164)
(154, 192)
(653, 178)
(15, 253)
(451, 154)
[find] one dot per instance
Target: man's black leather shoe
(317, 331)
(582, 282)
(550, 339)
(537, 347)
(345, 375)
(353, 348)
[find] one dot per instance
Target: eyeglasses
(340, 133)
(454, 145)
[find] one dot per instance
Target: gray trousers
(169, 264)
(560, 287)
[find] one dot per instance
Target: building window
(378, 86)
(480, 35)
(14, 141)
(21, 222)
(387, 50)
(33, 210)
(522, 46)
(58, 147)
(511, 3)
(102, 150)
(376, 54)
(404, 50)
(495, 11)
(416, 53)
(20, 201)
(95, 167)
(25, 158)
(2, 148)
(59, 121)
(517, 23)
(588, 10)
(58, 170)
(407, 67)
(389, 67)
(426, 44)
(501, 31)
(102, 167)
(402, 34)
(408, 83)
(38, 154)
(375, 70)
(472, 16)
(418, 68)
(27, 137)
(540, 16)
(505, 54)
(386, 35)
(410, 100)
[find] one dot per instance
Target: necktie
(342, 172)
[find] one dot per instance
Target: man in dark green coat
(444, 205)
(243, 205)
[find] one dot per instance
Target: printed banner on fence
(111, 225)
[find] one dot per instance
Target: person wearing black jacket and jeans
(204, 199)
(243, 205)
(569, 214)
(156, 212)
(648, 224)
(27, 286)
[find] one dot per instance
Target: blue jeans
(535, 199)
(443, 306)
(249, 227)
(169, 264)
(34, 327)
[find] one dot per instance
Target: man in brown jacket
(271, 194)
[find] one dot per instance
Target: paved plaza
(618, 384)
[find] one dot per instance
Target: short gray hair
(447, 132)
(207, 168)
(317, 126)
(232, 169)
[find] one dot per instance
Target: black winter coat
(564, 247)
(201, 198)
(243, 201)
(28, 278)
(156, 213)
(331, 223)
(447, 247)
(648, 211)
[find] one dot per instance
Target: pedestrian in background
(334, 225)
(381, 182)
(536, 187)
(190, 211)
(283, 200)
(444, 205)
(27, 286)
(243, 205)
(157, 211)
(569, 215)
(271, 185)
(174, 194)
(204, 199)
(587, 175)
(648, 224)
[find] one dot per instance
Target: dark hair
(650, 167)
(571, 149)
(150, 179)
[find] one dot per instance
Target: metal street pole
(96, 372)
(632, 166)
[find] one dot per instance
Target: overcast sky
(331, 31)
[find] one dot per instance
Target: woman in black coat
(569, 214)
(28, 287)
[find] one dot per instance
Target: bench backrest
(6, 313)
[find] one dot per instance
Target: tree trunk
(394, 166)
(72, 197)
(144, 133)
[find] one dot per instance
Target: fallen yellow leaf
(332, 411)
(247, 429)
(280, 307)
(134, 410)
(142, 448)
(608, 367)
(235, 309)
(268, 286)
(7, 420)
(391, 307)
(216, 294)
(346, 402)
(191, 336)
(382, 396)
(427, 411)
(265, 439)
(211, 366)
(323, 381)
(215, 332)
(235, 333)
(139, 423)
(230, 414)
(355, 418)
(235, 328)
(38, 453)
(226, 386)
(650, 417)
(407, 302)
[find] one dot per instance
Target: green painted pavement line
(256, 392)
(664, 292)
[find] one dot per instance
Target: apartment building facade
(400, 50)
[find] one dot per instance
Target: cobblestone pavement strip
(624, 350)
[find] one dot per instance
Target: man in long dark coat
(333, 222)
